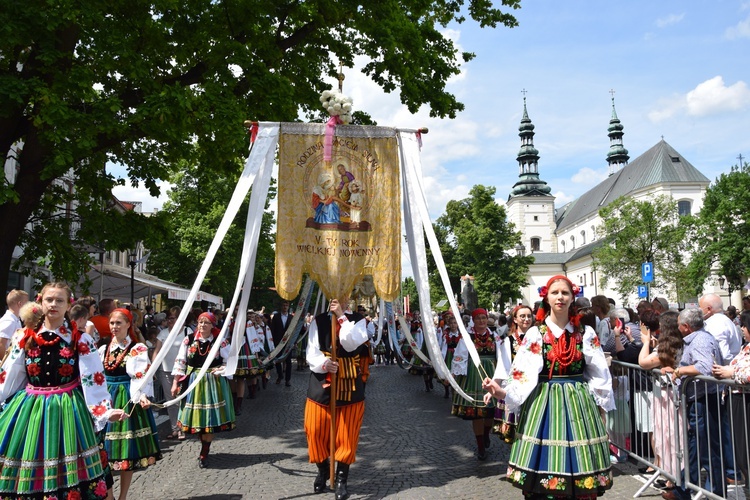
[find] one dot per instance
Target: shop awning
(114, 283)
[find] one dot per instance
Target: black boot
(324, 470)
(238, 406)
(447, 392)
(426, 385)
(342, 474)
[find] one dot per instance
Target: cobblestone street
(410, 448)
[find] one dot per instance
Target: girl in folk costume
(48, 444)
(133, 443)
(522, 318)
(561, 384)
(248, 364)
(448, 342)
(420, 367)
(266, 337)
(469, 378)
(208, 408)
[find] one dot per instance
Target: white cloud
(740, 30)
(130, 193)
(561, 198)
(589, 177)
(671, 19)
(707, 98)
(712, 97)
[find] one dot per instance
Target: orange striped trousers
(318, 431)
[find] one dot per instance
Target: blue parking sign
(642, 291)
(647, 272)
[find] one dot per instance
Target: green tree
(150, 84)
(475, 237)
(721, 232)
(196, 206)
(638, 231)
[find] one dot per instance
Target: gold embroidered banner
(341, 220)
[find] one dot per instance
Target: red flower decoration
(101, 486)
(595, 341)
(63, 330)
(517, 374)
(192, 349)
(98, 410)
(99, 378)
(83, 348)
(73, 495)
(33, 369)
(105, 462)
(542, 291)
(139, 375)
(65, 370)
(2, 377)
(535, 348)
(66, 352)
(35, 352)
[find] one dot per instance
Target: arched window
(593, 232)
(583, 237)
(684, 207)
(535, 244)
(562, 243)
(572, 242)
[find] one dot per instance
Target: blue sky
(680, 69)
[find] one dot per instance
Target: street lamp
(132, 264)
(722, 280)
(520, 250)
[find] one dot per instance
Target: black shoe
(487, 441)
(482, 455)
(202, 462)
(288, 384)
(324, 470)
(342, 475)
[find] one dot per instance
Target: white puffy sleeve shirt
(529, 362)
(351, 335)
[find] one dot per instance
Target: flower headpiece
(337, 104)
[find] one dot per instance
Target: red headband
(125, 313)
(209, 316)
(476, 312)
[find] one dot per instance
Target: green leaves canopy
(148, 84)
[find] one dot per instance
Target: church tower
(617, 157)
(531, 207)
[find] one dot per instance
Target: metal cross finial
(612, 93)
(740, 157)
(341, 77)
(523, 91)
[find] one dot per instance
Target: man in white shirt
(10, 322)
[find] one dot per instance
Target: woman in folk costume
(351, 370)
(522, 317)
(248, 364)
(132, 443)
(48, 444)
(561, 384)
(469, 378)
(449, 339)
(208, 408)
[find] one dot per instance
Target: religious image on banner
(338, 220)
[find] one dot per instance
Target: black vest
(319, 388)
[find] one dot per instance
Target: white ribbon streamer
(415, 221)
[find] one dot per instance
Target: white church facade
(562, 239)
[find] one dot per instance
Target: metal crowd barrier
(694, 434)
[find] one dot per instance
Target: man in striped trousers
(351, 370)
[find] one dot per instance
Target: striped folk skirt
(248, 365)
(208, 408)
(48, 446)
(471, 383)
(561, 447)
(134, 442)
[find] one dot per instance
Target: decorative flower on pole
(337, 104)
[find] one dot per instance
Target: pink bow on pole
(328, 141)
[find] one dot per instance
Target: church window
(583, 237)
(562, 242)
(536, 218)
(593, 233)
(535, 244)
(684, 207)
(572, 242)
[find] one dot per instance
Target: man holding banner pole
(344, 371)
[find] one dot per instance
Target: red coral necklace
(564, 352)
(112, 362)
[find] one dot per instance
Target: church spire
(618, 155)
(529, 183)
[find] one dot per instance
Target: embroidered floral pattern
(84, 348)
(553, 483)
(586, 483)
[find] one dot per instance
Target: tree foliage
(721, 231)
(196, 206)
(151, 84)
(637, 231)
(475, 237)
